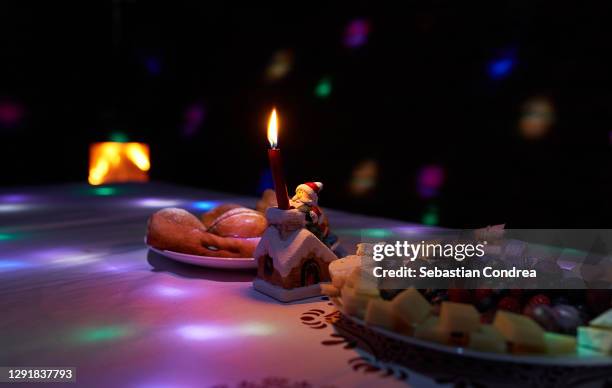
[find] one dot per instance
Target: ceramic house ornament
(292, 257)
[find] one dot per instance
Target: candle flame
(273, 129)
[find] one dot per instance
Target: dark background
(421, 91)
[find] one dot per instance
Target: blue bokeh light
(501, 67)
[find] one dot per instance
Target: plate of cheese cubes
(455, 321)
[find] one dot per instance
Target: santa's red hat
(312, 188)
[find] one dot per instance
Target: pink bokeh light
(430, 179)
(11, 113)
(356, 33)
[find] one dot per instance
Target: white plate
(209, 261)
(562, 360)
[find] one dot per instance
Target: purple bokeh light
(356, 33)
(193, 118)
(430, 179)
(11, 114)
(153, 66)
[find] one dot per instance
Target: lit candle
(276, 163)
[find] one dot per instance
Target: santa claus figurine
(306, 200)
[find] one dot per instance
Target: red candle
(276, 164)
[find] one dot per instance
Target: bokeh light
(323, 88)
(430, 180)
(153, 65)
(431, 216)
(364, 178)
(280, 65)
(118, 162)
(11, 113)
(356, 33)
(193, 118)
(501, 66)
(118, 137)
(537, 117)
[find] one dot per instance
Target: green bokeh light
(323, 88)
(102, 333)
(119, 137)
(431, 217)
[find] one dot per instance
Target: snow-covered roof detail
(287, 253)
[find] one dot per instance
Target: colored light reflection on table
(8, 236)
(13, 207)
(366, 233)
(204, 332)
(12, 265)
(14, 198)
(204, 205)
(104, 191)
(169, 291)
(111, 162)
(157, 202)
(102, 333)
(68, 256)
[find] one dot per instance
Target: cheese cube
(410, 306)
(429, 330)
(604, 321)
(488, 339)
(595, 338)
(353, 303)
(379, 313)
(353, 278)
(329, 290)
(338, 281)
(522, 333)
(559, 343)
(458, 318)
(361, 283)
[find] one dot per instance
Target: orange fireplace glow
(113, 162)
